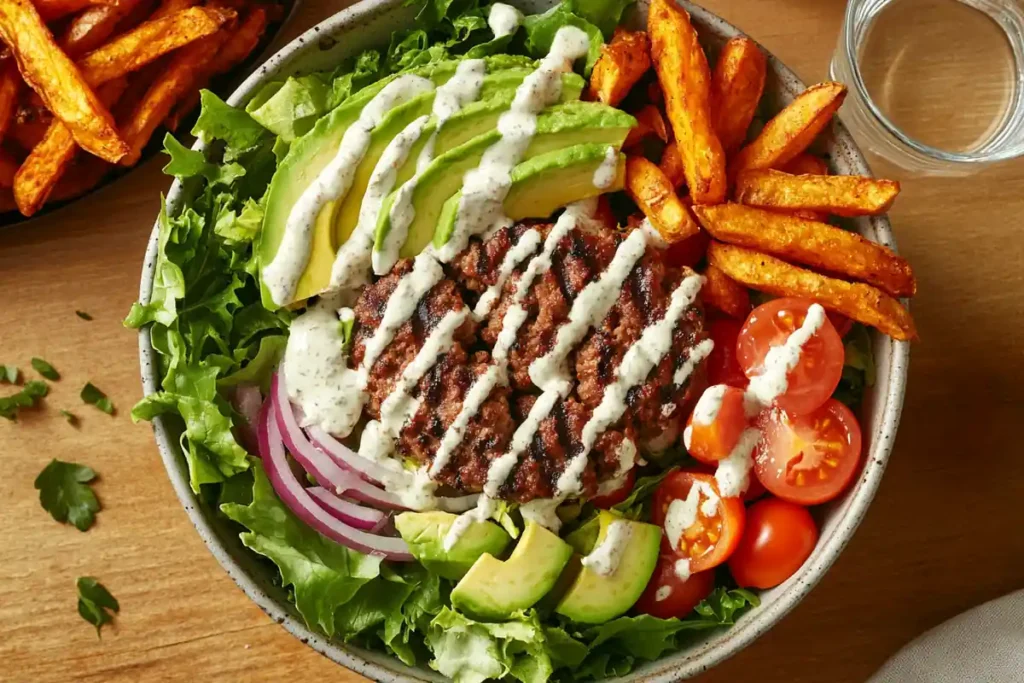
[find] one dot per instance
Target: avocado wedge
(560, 128)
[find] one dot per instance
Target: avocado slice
(494, 589)
(560, 128)
(594, 598)
(545, 183)
(425, 533)
(308, 156)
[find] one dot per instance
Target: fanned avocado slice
(546, 183)
(560, 128)
(308, 156)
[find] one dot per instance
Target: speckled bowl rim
(842, 518)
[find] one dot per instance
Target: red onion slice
(350, 460)
(327, 472)
(357, 515)
(297, 499)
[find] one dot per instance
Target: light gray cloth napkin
(982, 645)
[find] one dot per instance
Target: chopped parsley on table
(65, 493)
(9, 374)
(45, 369)
(94, 397)
(26, 398)
(95, 603)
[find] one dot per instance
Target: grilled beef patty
(654, 408)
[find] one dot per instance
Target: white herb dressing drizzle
(710, 402)
(503, 20)
(682, 569)
(605, 557)
(682, 512)
(642, 357)
(733, 472)
(654, 237)
(281, 276)
(697, 354)
(604, 174)
(589, 308)
(485, 187)
(542, 511)
(463, 87)
(519, 252)
(662, 593)
(481, 513)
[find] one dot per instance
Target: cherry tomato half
(670, 595)
(778, 538)
(808, 459)
(723, 368)
(839, 321)
(811, 382)
(716, 424)
(696, 529)
(607, 500)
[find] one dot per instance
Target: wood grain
(941, 536)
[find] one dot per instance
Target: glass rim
(849, 44)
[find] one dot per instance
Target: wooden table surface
(942, 535)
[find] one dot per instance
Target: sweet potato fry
(791, 130)
(672, 165)
(656, 197)
(649, 121)
(242, 41)
(8, 167)
(91, 28)
(842, 195)
(52, 74)
(725, 294)
(685, 79)
(177, 80)
(861, 302)
(10, 84)
(736, 86)
(39, 173)
(622, 63)
(151, 40)
(50, 10)
(814, 244)
(806, 164)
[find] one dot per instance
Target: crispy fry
(242, 41)
(39, 173)
(52, 74)
(806, 164)
(656, 197)
(91, 28)
(686, 81)
(150, 41)
(736, 87)
(8, 167)
(814, 244)
(50, 10)
(649, 121)
(672, 165)
(725, 294)
(791, 130)
(170, 86)
(622, 63)
(842, 195)
(861, 302)
(10, 84)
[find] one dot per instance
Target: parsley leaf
(45, 369)
(95, 603)
(83, 315)
(93, 396)
(9, 374)
(64, 492)
(26, 398)
(70, 417)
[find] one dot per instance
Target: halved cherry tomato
(808, 459)
(811, 382)
(688, 252)
(779, 537)
(620, 494)
(704, 533)
(668, 595)
(723, 368)
(716, 424)
(754, 490)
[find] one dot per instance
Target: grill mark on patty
(640, 291)
(558, 269)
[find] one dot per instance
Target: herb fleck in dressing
(604, 559)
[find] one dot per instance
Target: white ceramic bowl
(369, 24)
